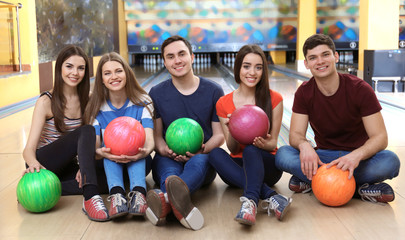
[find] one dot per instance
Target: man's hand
(309, 160)
(348, 162)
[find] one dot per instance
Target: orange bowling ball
(332, 187)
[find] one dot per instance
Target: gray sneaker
(118, 206)
(278, 204)
(137, 203)
(379, 192)
(298, 186)
(247, 212)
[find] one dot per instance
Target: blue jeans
(383, 165)
(254, 172)
(196, 172)
(137, 172)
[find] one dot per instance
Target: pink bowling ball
(248, 122)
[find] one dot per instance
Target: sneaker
(118, 206)
(379, 192)
(95, 209)
(247, 212)
(278, 204)
(137, 203)
(158, 208)
(298, 186)
(180, 201)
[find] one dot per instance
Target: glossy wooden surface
(306, 219)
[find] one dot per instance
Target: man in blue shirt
(184, 95)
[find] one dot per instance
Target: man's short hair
(316, 40)
(172, 39)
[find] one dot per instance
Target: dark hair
(262, 95)
(58, 101)
(136, 94)
(316, 40)
(172, 39)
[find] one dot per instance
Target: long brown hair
(262, 95)
(58, 101)
(136, 94)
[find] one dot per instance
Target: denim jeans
(137, 172)
(254, 172)
(196, 172)
(383, 165)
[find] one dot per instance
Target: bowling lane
(219, 74)
(144, 72)
(393, 116)
(149, 76)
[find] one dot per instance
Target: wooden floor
(306, 219)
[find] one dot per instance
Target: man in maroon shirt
(350, 133)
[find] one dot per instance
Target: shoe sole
(118, 215)
(244, 221)
(137, 214)
(149, 215)
(154, 206)
(95, 219)
(180, 200)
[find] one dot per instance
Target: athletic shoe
(278, 204)
(379, 192)
(136, 203)
(118, 206)
(95, 209)
(158, 208)
(247, 212)
(298, 186)
(180, 201)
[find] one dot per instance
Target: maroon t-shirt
(337, 119)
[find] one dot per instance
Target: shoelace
(369, 194)
(248, 206)
(139, 200)
(117, 199)
(270, 204)
(98, 203)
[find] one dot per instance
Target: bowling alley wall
(212, 26)
(137, 27)
(224, 26)
(45, 27)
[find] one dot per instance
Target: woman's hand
(263, 143)
(106, 153)
(79, 178)
(185, 158)
(33, 167)
(143, 153)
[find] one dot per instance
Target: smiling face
(113, 75)
(73, 70)
(251, 70)
(321, 61)
(177, 59)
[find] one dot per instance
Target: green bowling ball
(39, 191)
(184, 135)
